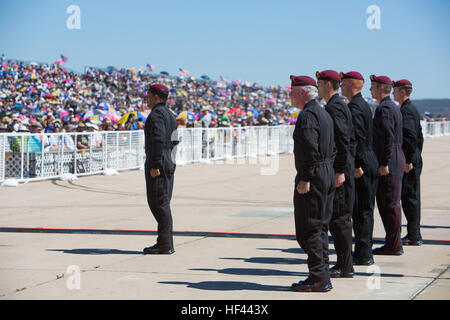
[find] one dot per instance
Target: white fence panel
(26, 156)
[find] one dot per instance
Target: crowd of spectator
(49, 98)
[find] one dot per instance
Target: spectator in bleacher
(68, 142)
(181, 123)
(131, 123)
(51, 140)
(95, 138)
(82, 139)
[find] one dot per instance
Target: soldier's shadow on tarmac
(255, 272)
(229, 285)
(300, 261)
(96, 251)
(295, 250)
(270, 260)
(272, 272)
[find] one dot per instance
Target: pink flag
(183, 72)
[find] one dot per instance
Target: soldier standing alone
(159, 166)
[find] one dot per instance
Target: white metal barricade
(25, 156)
(42, 156)
(435, 129)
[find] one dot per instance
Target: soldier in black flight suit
(159, 166)
(314, 152)
(412, 148)
(387, 145)
(340, 224)
(366, 168)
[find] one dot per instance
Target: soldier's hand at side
(303, 187)
(340, 179)
(408, 167)
(358, 173)
(384, 170)
(154, 173)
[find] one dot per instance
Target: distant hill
(434, 106)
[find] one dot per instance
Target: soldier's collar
(387, 98)
(406, 102)
(310, 103)
(159, 104)
(334, 96)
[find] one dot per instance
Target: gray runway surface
(234, 238)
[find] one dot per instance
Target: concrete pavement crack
(430, 283)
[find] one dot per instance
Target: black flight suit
(412, 148)
(387, 145)
(340, 224)
(159, 128)
(314, 153)
(366, 185)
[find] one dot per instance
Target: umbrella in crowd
(295, 113)
(99, 117)
(104, 105)
(189, 116)
(112, 117)
(137, 116)
(91, 113)
(236, 110)
(253, 113)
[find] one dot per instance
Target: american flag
(183, 72)
(150, 67)
(223, 79)
(64, 58)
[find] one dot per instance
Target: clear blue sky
(254, 40)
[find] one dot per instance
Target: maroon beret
(303, 81)
(381, 79)
(328, 75)
(352, 75)
(402, 83)
(158, 87)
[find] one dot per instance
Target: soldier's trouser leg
(159, 191)
(411, 202)
(311, 211)
(341, 225)
(388, 201)
(365, 191)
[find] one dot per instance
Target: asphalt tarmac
(234, 238)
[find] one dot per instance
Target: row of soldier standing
(346, 158)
